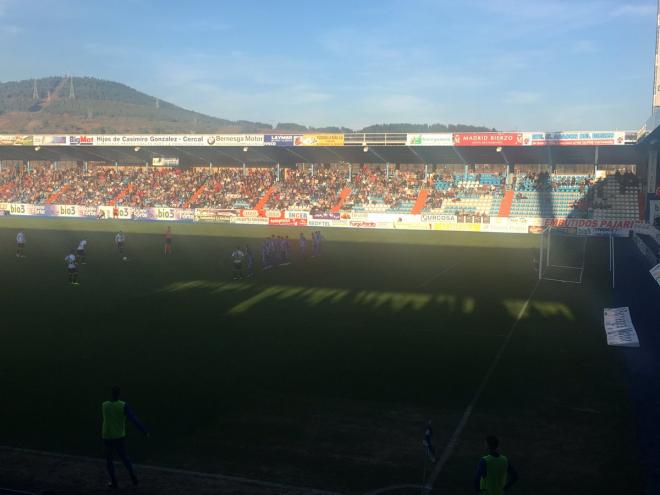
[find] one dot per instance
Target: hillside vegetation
(86, 104)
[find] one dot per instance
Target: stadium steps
(343, 195)
(121, 194)
(505, 206)
(421, 201)
(642, 205)
(195, 196)
(261, 204)
(53, 197)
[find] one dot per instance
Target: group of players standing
(275, 251)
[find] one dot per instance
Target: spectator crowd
(316, 189)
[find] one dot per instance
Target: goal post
(562, 255)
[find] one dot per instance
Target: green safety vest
(114, 420)
(496, 473)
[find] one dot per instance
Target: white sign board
(619, 327)
(655, 273)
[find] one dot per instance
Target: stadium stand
(332, 188)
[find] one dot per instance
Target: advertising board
(488, 139)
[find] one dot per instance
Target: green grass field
(322, 373)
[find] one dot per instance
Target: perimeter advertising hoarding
(279, 139)
(217, 215)
(288, 222)
(150, 140)
(575, 138)
(326, 216)
(439, 218)
(589, 223)
(50, 140)
(14, 140)
(73, 211)
(319, 140)
(23, 209)
(429, 139)
(488, 139)
(462, 227)
(235, 140)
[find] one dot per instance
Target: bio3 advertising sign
(576, 138)
(488, 139)
(428, 139)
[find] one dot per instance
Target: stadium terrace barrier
(356, 220)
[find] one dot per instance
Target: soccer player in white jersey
(20, 245)
(72, 267)
(303, 243)
(81, 252)
(120, 239)
(237, 259)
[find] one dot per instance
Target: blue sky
(510, 64)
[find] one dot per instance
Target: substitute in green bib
(494, 473)
(113, 433)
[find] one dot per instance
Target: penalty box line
(440, 274)
(453, 441)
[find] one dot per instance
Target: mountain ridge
(70, 104)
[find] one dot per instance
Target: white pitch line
(7, 491)
(453, 441)
(185, 472)
(440, 273)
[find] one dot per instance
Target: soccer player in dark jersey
(113, 432)
(168, 241)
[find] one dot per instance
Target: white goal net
(562, 255)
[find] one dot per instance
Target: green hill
(86, 104)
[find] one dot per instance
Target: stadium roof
(578, 147)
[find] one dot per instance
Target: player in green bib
(113, 433)
(494, 474)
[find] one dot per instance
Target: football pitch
(322, 373)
